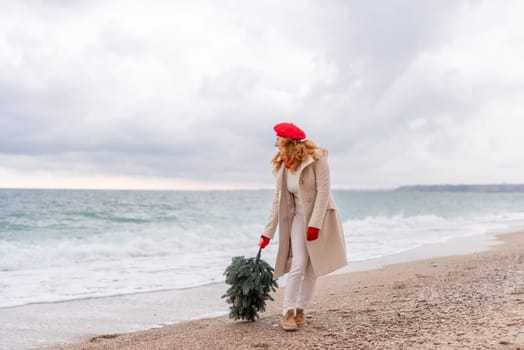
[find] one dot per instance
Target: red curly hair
(293, 153)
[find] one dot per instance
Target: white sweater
(292, 187)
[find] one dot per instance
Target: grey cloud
(134, 103)
(233, 83)
(369, 46)
(112, 39)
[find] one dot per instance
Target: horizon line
(269, 188)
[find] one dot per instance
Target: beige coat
(328, 251)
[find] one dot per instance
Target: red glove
(264, 241)
(312, 233)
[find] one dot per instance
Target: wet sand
(473, 301)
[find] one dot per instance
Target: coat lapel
(304, 164)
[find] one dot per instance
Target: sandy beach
(473, 301)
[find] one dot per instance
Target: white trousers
(301, 278)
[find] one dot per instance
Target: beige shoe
(300, 318)
(288, 321)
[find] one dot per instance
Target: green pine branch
(251, 282)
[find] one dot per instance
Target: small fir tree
(251, 282)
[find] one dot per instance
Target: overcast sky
(184, 94)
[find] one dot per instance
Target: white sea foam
(71, 270)
(374, 237)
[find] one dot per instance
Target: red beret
(289, 131)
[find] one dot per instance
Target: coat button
(301, 181)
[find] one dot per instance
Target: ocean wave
(377, 236)
(181, 240)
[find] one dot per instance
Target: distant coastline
(463, 188)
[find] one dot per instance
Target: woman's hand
(264, 241)
(312, 233)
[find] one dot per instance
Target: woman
(311, 239)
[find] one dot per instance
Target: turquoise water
(70, 244)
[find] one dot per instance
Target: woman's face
(278, 143)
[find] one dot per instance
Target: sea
(63, 245)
